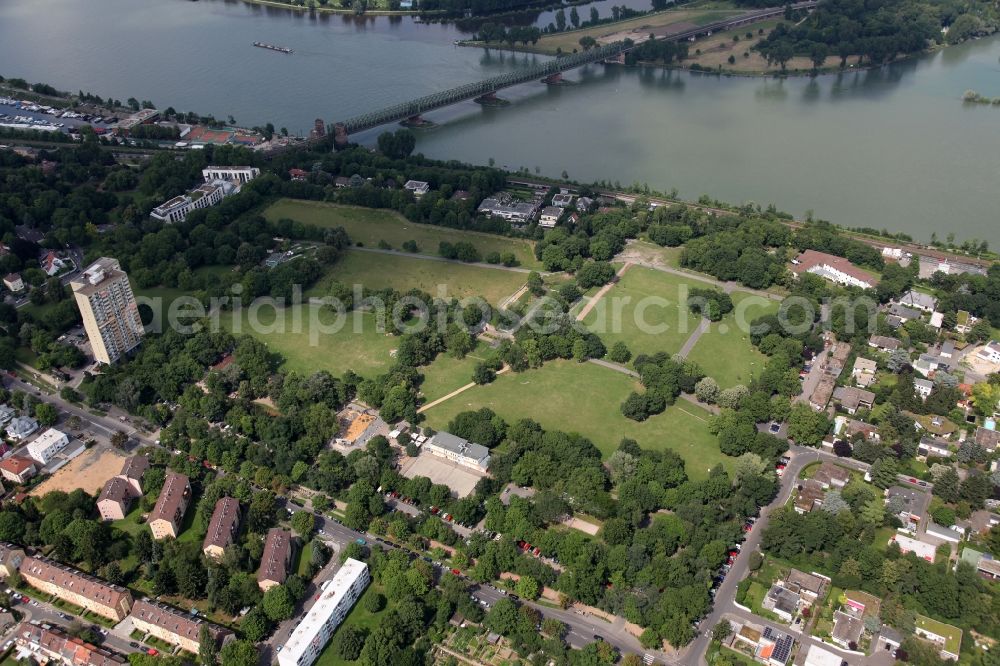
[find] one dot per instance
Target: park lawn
(304, 558)
(130, 523)
(444, 279)
(586, 398)
(448, 373)
(725, 352)
(358, 617)
(358, 345)
(639, 26)
(649, 299)
(371, 225)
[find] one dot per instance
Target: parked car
(360, 542)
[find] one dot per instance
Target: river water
(891, 148)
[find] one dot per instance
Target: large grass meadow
(308, 347)
(437, 278)
(369, 226)
(650, 297)
(725, 352)
(586, 398)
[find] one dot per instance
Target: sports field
(586, 398)
(306, 347)
(369, 226)
(438, 278)
(725, 352)
(644, 311)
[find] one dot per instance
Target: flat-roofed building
(222, 527)
(240, 175)
(111, 601)
(110, 314)
(47, 445)
(174, 626)
(165, 520)
(276, 559)
(461, 451)
(336, 598)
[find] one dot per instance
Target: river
(891, 148)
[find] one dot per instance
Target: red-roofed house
(18, 469)
(298, 174)
(833, 268)
(52, 264)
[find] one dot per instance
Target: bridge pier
(490, 99)
(553, 79)
(416, 121)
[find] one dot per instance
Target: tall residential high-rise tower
(110, 314)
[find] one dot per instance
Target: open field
(438, 278)
(369, 226)
(88, 471)
(358, 617)
(357, 346)
(725, 352)
(638, 28)
(586, 398)
(448, 373)
(646, 299)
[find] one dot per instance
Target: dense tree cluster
(876, 31)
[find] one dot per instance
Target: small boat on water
(272, 47)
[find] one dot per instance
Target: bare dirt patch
(980, 365)
(88, 471)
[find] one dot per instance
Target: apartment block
(222, 527)
(107, 305)
(173, 626)
(276, 559)
(168, 514)
(97, 596)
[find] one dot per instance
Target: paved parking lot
(461, 480)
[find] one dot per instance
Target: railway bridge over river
(546, 72)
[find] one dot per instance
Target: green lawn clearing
(586, 398)
(643, 311)
(725, 352)
(370, 225)
(358, 345)
(358, 617)
(438, 278)
(448, 373)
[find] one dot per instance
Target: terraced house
(97, 596)
(174, 626)
(165, 520)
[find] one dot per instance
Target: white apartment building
(203, 196)
(48, 444)
(110, 314)
(461, 451)
(239, 175)
(337, 597)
